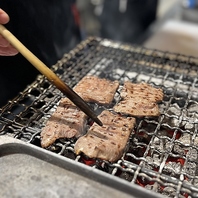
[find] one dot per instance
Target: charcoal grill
(162, 152)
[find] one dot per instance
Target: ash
(160, 143)
(190, 168)
(172, 168)
(196, 181)
(171, 192)
(184, 147)
(175, 116)
(153, 161)
(154, 187)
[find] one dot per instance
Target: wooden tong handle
(51, 76)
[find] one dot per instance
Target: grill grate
(162, 152)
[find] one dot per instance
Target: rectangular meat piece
(66, 122)
(109, 141)
(139, 100)
(94, 89)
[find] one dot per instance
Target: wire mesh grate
(162, 152)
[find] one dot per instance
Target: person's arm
(5, 48)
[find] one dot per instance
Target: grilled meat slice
(109, 141)
(66, 122)
(94, 89)
(139, 100)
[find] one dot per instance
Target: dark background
(50, 28)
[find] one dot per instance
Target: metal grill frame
(176, 74)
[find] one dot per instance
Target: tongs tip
(98, 121)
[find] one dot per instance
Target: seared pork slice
(139, 100)
(94, 89)
(66, 122)
(109, 141)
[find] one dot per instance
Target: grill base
(39, 173)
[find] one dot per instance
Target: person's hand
(6, 49)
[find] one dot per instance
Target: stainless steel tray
(28, 171)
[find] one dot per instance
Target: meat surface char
(139, 100)
(94, 89)
(109, 141)
(66, 122)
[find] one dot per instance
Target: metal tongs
(51, 76)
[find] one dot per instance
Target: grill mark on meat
(99, 135)
(139, 100)
(66, 122)
(94, 89)
(109, 141)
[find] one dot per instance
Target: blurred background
(52, 28)
(170, 25)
